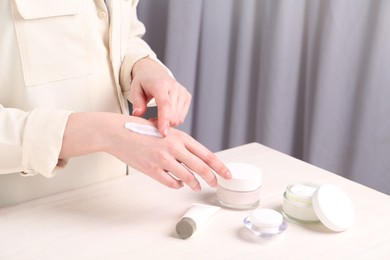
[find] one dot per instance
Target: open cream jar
(242, 191)
(327, 203)
(297, 202)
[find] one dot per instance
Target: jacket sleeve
(137, 49)
(30, 142)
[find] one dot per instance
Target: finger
(166, 179)
(198, 166)
(209, 158)
(184, 110)
(138, 100)
(163, 112)
(183, 174)
(176, 108)
(183, 103)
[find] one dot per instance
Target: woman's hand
(172, 160)
(151, 80)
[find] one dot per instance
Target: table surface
(134, 217)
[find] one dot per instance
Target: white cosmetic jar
(242, 191)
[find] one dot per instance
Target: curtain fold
(310, 78)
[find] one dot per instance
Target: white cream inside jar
(297, 202)
(242, 191)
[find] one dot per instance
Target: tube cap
(185, 227)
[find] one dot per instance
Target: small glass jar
(297, 203)
(242, 191)
(265, 223)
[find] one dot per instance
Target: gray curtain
(310, 78)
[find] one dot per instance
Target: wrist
(85, 133)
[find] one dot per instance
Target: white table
(134, 217)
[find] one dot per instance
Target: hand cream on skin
(242, 191)
(143, 129)
(194, 218)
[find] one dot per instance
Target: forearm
(91, 132)
(82, 135)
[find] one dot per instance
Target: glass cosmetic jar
(242, 191)
(265, 223)
(297, 202)
(328, 204)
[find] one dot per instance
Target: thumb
(163, 117)
(139, 103)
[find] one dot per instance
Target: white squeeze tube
(194, 218)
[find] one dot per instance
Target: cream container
(328, 204)
(242, 191)
(265, 223)
(297, 202)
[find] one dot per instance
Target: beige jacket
(56, 57)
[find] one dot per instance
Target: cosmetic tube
(194, 218)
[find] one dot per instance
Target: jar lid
(245, 177)
(266, 218)
(333, 207)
